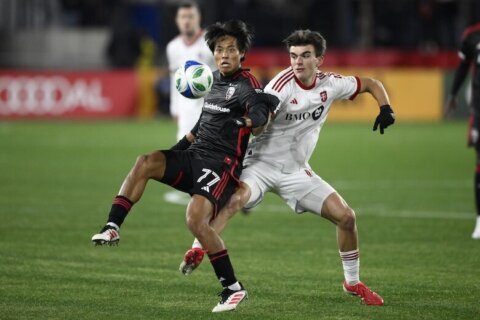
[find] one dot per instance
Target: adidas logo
(294, 101)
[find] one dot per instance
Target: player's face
(227, 55)
(304, 63)
(188, 21)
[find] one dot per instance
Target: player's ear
(319, 61)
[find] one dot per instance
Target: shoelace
(363, 291)
(105, 228)
(225, 294)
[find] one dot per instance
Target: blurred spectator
(123, 48)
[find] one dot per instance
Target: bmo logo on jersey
(299, 116)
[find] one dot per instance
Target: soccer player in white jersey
(277, 160)
(188, 45)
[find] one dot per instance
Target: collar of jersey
(234, 75)
(304, 87)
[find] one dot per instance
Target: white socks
(113, 224)
(236, 286)
(351, 266)
(196, 244)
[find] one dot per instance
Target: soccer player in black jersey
(206, 163)
(470, 55)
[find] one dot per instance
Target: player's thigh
(177, 172)
(259, 178)
(304, 191)
(213, 180)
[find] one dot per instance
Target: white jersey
(290, 138)
(186, 110)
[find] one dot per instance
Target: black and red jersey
(470, 53)
(217, 137)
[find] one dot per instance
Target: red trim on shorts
(220, 186)
(359, 84)
(177, 179)
(477, 168)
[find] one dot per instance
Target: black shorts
(215, 180)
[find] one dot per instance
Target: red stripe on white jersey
(280, 80)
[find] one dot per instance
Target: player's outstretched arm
(458, 79)
(386, 117)
(260, 106)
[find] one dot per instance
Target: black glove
(269, 100)
(239, 122)
(385, 118)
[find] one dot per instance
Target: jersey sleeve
(282, 95)
(467, 50)
(346, 87)
(249, 87)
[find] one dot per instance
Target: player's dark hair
(188, 4)
(306, 37)
(236, 28)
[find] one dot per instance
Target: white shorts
(303, 190)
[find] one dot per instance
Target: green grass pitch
(411, 189)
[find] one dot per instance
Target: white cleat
(230, 299)
(109, 235)
(476, 231)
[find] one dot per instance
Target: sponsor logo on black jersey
(214, 107)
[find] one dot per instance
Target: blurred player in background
(470, 56)
(277, 160)
(188, 45)
(207, 162)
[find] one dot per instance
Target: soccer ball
(193, 79)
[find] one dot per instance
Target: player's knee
(234, 204)
(145, 165)
(196, 222)
(348, 220)
(196, 226)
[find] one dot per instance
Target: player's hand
(385, 118)
(271, 101)
(450, 105)
(239, 122)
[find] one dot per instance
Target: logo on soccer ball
(193, 79)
